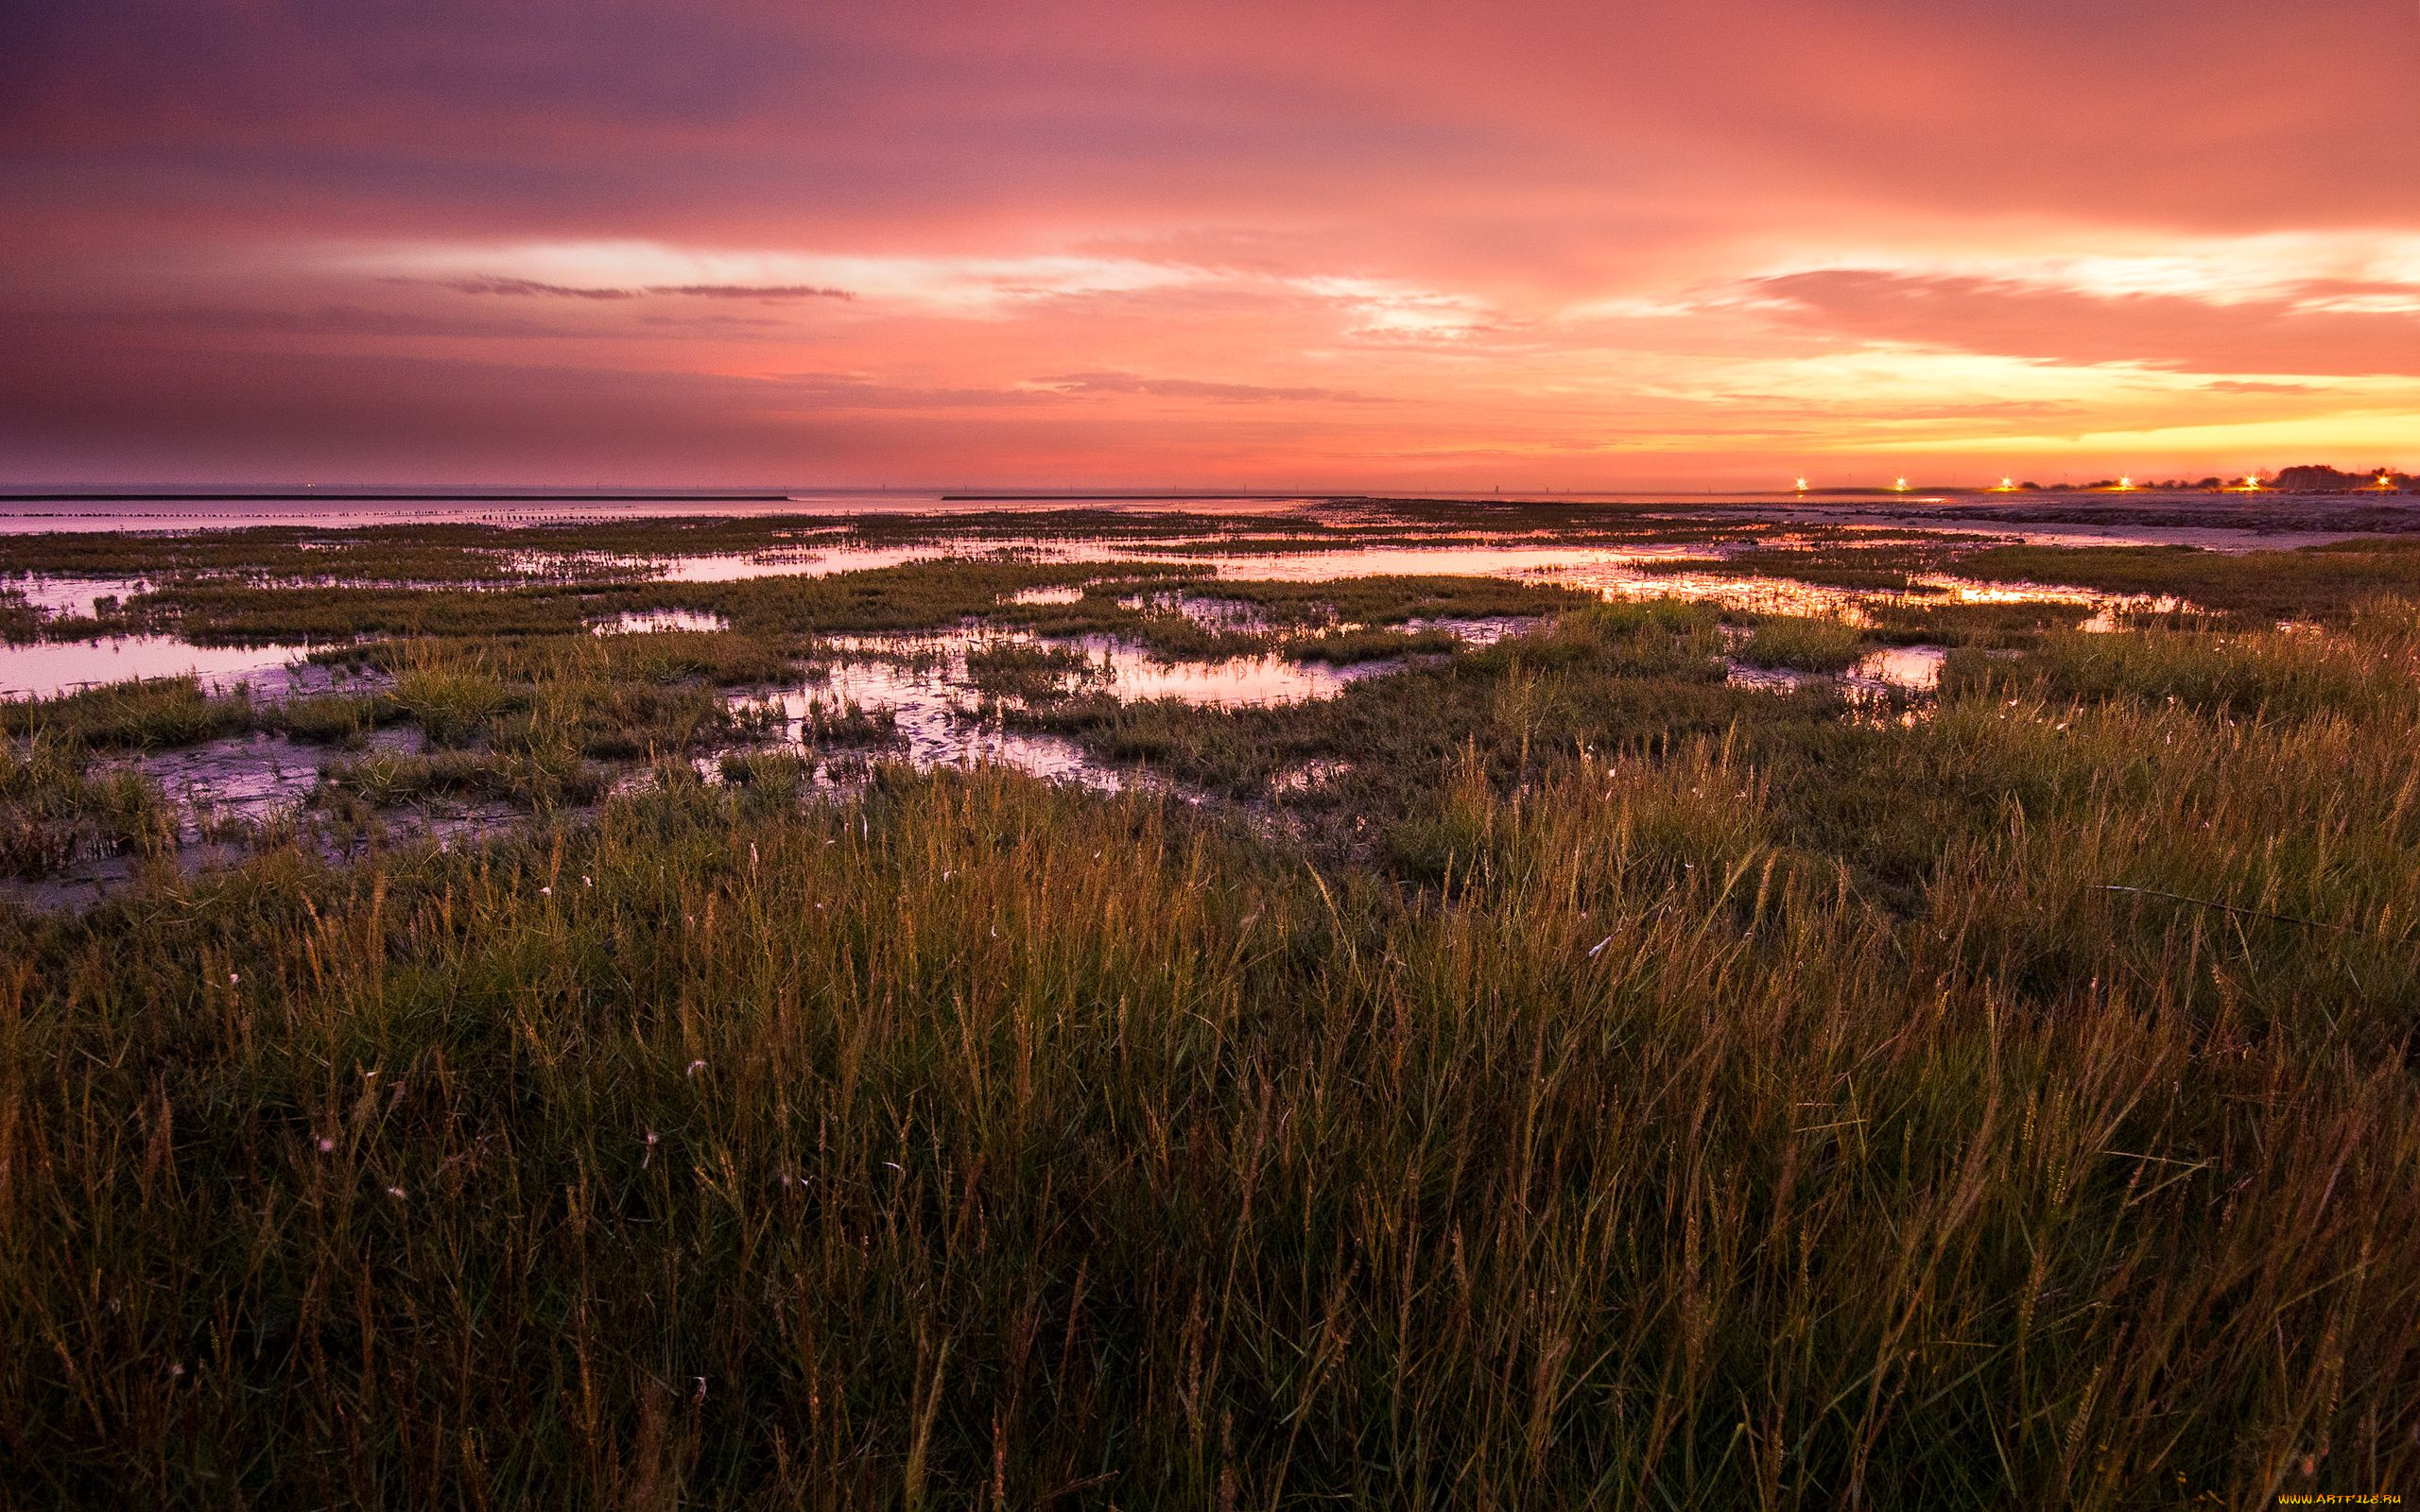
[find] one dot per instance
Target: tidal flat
(1395, 1003)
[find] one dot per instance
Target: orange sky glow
(1315, 246)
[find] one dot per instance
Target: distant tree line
(2310, 477)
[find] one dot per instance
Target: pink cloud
(2282, 334)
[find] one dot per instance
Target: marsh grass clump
(2251, 674)
(145, 714)
(2328, 583)
(54, 811)
(1389, 599)
(536, 778)
(1995, 625)
(1173, 636)
(448, 694)
(1657, 638)
(845, 722)
(19, 620)
(1345, 648)
(621, 721)
(769, 778)
(1873, 568)
(1801, 644)
(1031, 670)
(333, 718)
(595, 697)
(1604, 676)
(718, 658)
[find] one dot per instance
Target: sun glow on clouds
(1816, 356)
(969, 285)
(975, 286)
(2216, 270)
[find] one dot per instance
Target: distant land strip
(1125, 498)
(316, 495)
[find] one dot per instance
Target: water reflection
(71, 597)
(45, 669)
(922, 685)
(1896, 669)
(932, 724)
(1734, 590)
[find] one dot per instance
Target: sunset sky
(1308, 244)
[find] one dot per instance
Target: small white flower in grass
(545, 892)
(587, 881)
(233, 979)
(650, 1157)
(695, 1067)
(176, 1370)
(702, 1387)
(327, 1145)
(396, 1192)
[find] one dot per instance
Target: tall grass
(2326, 582)
(1345, 648)
(1705, 1103)
(2375, 670)
(1804, 644)
(143, 714)
(54, 811)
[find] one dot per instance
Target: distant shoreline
(350, 496)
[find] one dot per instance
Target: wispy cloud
(533, 289)
(2287, 329)
(525, 288)
(752, 291)
(1231, 393)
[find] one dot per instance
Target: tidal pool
(46, 668)
(1894, 669)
